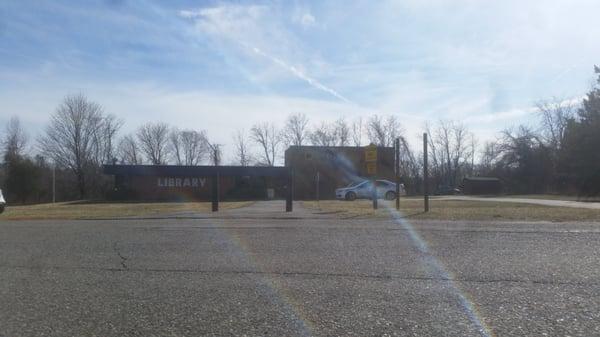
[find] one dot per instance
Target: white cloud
(500, 117)
(304, 19)
(235, 22)
(485, 64)
(307, 20)
(250, 28)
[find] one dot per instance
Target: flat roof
(186, 171)
(337, 147)
(482, 178)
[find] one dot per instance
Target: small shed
(482, 185)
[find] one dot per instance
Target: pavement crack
(383, 277)
(121, 256)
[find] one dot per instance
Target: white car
(363, 190)
(2, 202)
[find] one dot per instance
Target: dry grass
(457, 210)
(108, 210)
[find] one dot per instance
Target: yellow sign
(371, 153)
(371, 168)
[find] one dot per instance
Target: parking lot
(257, 271)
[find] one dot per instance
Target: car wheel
(1, 208)
(390, 195)
(350, 196)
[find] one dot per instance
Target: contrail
(204, 15)
(299, 74)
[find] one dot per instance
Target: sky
(222, 66)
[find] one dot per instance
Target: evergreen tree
(22, 179)
(580, 155)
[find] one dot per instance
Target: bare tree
(357, 132)
(188, 147)
(489, 156)
(267, 137)
(15, 139)
(525, 160)
(215, 153)
(153, 140)
(450, 150)
(71, 138)
(241, 148)
(460, 151)
(175, 147)
(323, 134)
(195, 146)
(382, 131)
(342, 132)
(410, 166)
(555, 115)
(515, 142)
(104, 139)
(435, 156)
(129, 151)
(473, 147)
(295, 130)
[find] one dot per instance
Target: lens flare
(442, 272)
(270, 286)
(294, 311)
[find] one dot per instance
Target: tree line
(557, 155)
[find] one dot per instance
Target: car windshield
(355, 183)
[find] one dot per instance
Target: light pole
(54, 183)
(425, 175)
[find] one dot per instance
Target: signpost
(371, 169)
(215, 181)
(371, 160)
(215, 192)
(425, 176)
(317, 184)
(397, 171)
(371, 153)
(54, 183)
(290, 190)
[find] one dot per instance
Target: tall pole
(425, 175)
(215, 192)
(54, 183)
(371, 161)
(289, 200)
(317, 186)
(397, 173)
(374, 192)
(215, 183)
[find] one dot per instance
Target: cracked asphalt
(259, 272)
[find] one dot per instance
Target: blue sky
(222, 66)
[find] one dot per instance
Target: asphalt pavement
(262, 272)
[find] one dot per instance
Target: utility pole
(397, 146)
(54, 183)
(371, 161)
(374, 192)
(317, 183)
(425, 175)
(215, 181)
(289, 200)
